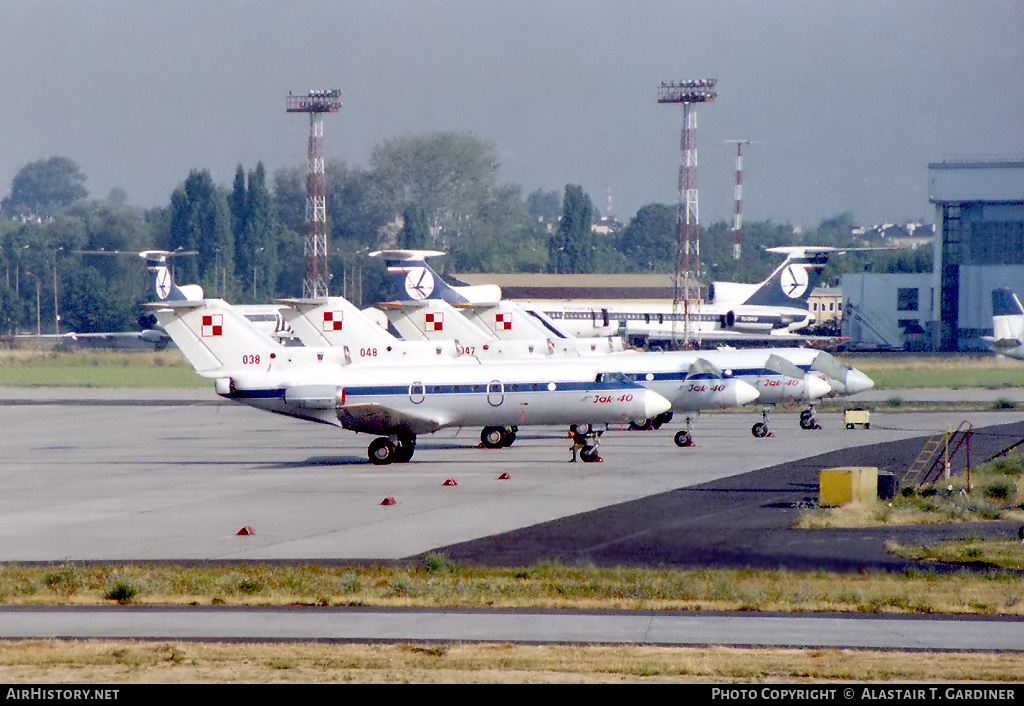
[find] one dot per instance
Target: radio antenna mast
(687, 93)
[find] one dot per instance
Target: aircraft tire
(510, 436)
(759, 430)
(404, 450)
(588, 454)
(683, 439)
(808, 422)
(381, 451)
(493, 437)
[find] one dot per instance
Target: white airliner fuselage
(398, 401)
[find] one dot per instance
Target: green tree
(200, 220)
(257, 245)
(571, 246)
(45, 187)
(649, 241)
(91, 304)
(11, 310)
(544, 206)
(415, 233)
(447, 174)
(237, 203)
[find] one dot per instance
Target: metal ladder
(937, 451)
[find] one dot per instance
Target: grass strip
(116, 662)
(441, 583)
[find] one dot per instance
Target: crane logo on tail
(419, 283)
(794, 281)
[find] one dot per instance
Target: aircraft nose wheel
(760, 430)
(683, 439)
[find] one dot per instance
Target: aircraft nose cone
(856, 381)
(743, 392)
(815, 387)
(655, 404)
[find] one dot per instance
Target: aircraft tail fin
(164, 287)
(435, 321)
(415, 280)
(793, 281)
(333, 321)
(1007, 316)
(217, 340)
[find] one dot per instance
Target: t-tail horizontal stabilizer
(416, 280)
(162, 281)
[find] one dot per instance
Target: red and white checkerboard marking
(213, 325)
(503, 322)
(333, 320)
(434, 322)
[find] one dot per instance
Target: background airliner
(775, 307)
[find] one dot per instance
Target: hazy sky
(846, 101)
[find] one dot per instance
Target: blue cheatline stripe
(257, 394)
(448, 389)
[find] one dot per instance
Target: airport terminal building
(979, 246)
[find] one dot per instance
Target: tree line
(245, 241)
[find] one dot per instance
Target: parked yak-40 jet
(781, 376)
(691, 383)
(396, 402)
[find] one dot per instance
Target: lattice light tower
(688, 93)
(316, 103)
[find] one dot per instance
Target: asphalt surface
(97, 475)
(743, 520)
(166, 475)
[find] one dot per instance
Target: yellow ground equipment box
(841, 486)
(853, 417)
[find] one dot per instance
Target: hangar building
(978, 246)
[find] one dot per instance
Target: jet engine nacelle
(315, 396)
(726, 292)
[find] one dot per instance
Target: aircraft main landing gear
(649, 424)
(497, 437)
(383, 450)
(808, 420)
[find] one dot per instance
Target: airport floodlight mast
(316, 103)
(687, 93)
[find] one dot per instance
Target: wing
(380, 419)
